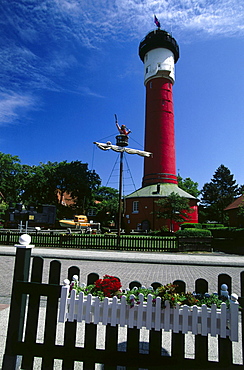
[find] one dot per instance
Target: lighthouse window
(135, 206)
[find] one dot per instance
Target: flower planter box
(196, 320)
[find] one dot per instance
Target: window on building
(135, 206)
(91, 213)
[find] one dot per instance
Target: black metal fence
(24, 321)
(110, 242)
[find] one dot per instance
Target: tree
(241, 209)
(219, 193)
(105, 193)
(80, 183)
(173, 208)
(106, 205)
(241, 190)
(10, 177)
(44, 181)
(3, 208)
(38, 187)
(189, 186)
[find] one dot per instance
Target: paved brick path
(146, 273)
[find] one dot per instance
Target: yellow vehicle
(79, 222)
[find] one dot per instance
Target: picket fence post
(18, 303)
(234, 309)
(64, 300)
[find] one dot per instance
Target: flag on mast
(156, 21)
(108, 145)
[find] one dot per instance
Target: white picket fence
(197, 320)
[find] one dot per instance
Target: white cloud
(84, 90)
(12, 104)
(93, 21)
(39, 41)
(100, 19)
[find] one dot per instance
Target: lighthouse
(159, 53)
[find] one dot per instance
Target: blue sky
(68, 66)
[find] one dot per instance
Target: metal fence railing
(137, 243)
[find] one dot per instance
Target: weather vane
(123, 130)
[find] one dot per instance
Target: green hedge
(198, 233)
(212, 226)
(188, 225)
(227, 232)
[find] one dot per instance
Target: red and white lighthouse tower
(159, 52)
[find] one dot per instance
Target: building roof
(66, 200)
(158, 191)
(236, 204)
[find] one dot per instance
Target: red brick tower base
(159, 133)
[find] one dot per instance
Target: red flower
(109, 285)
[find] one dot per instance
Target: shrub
(212, 226)
(105, 229)
(154, 232)
(110, 286)
(227, 232)
(239, 232)
(188, 225)
(164, 231)
(198, 233)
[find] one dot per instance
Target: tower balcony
(158, 39)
